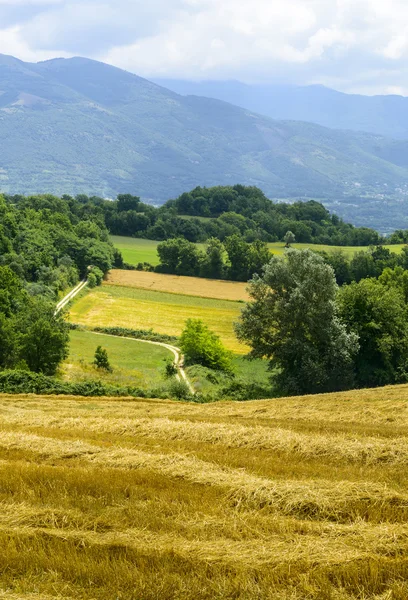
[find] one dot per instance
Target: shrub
(170, 369)
(101, 359)
(92, 280)
(180, 390)
(202, 346)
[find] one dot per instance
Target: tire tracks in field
(178, 357)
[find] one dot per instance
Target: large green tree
(293, 321)
(44, 337)
(377, 313)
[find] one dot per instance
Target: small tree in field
(289, 239)
(101, 359)
(203, 347)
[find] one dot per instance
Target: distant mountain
(385, 115)
(80, 126)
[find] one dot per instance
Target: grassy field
(278, 248)
(190, 286)
(290, 499)
(137, 250)
(135, 308)
(134, 363)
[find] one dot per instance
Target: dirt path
(78, 288)
(178, 357)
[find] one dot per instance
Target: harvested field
(119, 306)
(175, 284)
(297, 498)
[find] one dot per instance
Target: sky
(356, 46)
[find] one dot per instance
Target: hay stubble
(103, 499)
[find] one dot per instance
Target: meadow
(164, 312)
(289, 499)
(176, 284)
(137, 250)
(134, 363)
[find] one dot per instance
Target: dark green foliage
(44, 337)
(293, 322)
(141, 334)
(170, 370)
(179, 256)
(377, 313)
(102, 360)
(201, 346)
(46, 243)
(223, 211)
(180, 390)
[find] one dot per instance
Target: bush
(101, 359)
(170, 369)
(202, 346)
(180, 390)
(141, 334)
(92, 280)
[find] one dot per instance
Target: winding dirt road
(178, 357)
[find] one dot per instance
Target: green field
(111, 306)
(135, 250)
(134, 363)
(279, 248)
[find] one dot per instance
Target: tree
(378, 315)
(44, 338)
(127, 202)
(289, 238)
(213, 263)
(202, 346)
(293, 322)
(237, 250)
(179, 256)
(102, 360)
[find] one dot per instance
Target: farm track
(109, 498)
(178, 357)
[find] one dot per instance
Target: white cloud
(351, 44)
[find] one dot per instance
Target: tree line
(220, 212)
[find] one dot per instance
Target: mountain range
(383, 115)
(81, 126)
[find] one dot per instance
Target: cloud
(353, 45)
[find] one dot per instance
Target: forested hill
(220, 212)
(75, 126)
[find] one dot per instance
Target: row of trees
(319, 337)
(234, 259)
(221, 212)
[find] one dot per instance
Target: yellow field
(175, 284)
(300, 498)
(120, 306)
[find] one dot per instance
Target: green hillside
(79, 126)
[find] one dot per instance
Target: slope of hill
(74, 126)
(276, 500)
(384, 115)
